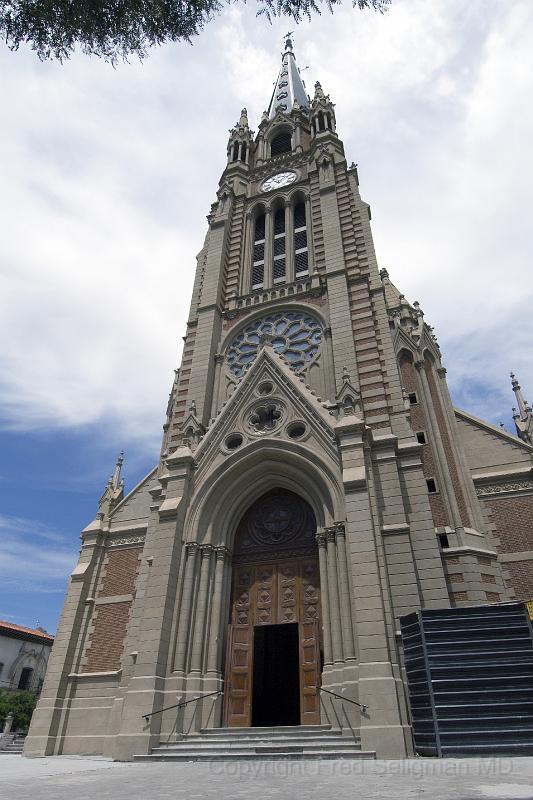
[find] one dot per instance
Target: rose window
(294, 336)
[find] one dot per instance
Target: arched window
(279, 267)
(321, 126)
(243, 152)
(301, 249)
(282, 143)
(258, 255)
(235, 152)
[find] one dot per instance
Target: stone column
(246, 273)
(333, 587)
(216, 612)
(324, 596)
(310, 247)
(289, 244)
(345, 595)
(219, 360)
(269, 249)
(329, 366)
(191, 555)
(201, 609)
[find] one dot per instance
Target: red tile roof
(10, 627)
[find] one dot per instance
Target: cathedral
(315, 484)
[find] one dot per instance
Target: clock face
(276, 181)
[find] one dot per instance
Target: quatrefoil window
(265, 418)
(295, 336)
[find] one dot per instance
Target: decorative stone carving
(499, 488)
(126, 540)
(278, 525)
(265, 417)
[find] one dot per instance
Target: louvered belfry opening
(258, 256)
(279, 265)
(470, 680)
(301, 249)
(282, 143)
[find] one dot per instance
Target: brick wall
(521, 573)
(513, 520)
(110, 619)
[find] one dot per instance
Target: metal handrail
(363, 708)
(184, 703)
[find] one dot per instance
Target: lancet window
(258, 256)
(280, 262)
(301, 249)
(279, 245)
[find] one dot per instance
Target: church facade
(315, 482)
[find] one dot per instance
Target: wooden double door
(273, 660)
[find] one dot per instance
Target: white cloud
(33, 557)
(108, 174)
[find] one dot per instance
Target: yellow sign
(529, 606)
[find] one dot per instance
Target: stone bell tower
(312, 485)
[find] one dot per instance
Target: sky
(107, 174)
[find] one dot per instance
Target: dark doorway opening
(276, 684)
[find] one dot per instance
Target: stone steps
(248, 744)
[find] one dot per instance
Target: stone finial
(319, 92)
(345, 375)
(115, 480)
(523, 417)
(243, 121)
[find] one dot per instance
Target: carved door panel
(309, 673)
(239, 676)
(265, 594)
(310, 591)
(287, 592)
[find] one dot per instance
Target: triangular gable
(489, 448)
(136, 504)
(297, 402)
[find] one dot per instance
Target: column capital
(340, 529)
(222, 553)
(191, 548)
(206, 550)
(419, 364)
(331, 533)
(218, 358)
(321, 537)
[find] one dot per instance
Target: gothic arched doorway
(273, 648)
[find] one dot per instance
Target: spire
(113, 492)
(523, 405)
(289, 90)
(115, 480)
(523, 418)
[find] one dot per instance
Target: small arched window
(301, 249)
(235, 156)
(243, 152)
(258, 255)
(321, 126)
(279, 267)
(282, 143)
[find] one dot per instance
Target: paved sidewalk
(85, 778)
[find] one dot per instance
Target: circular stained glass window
(295, 336)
